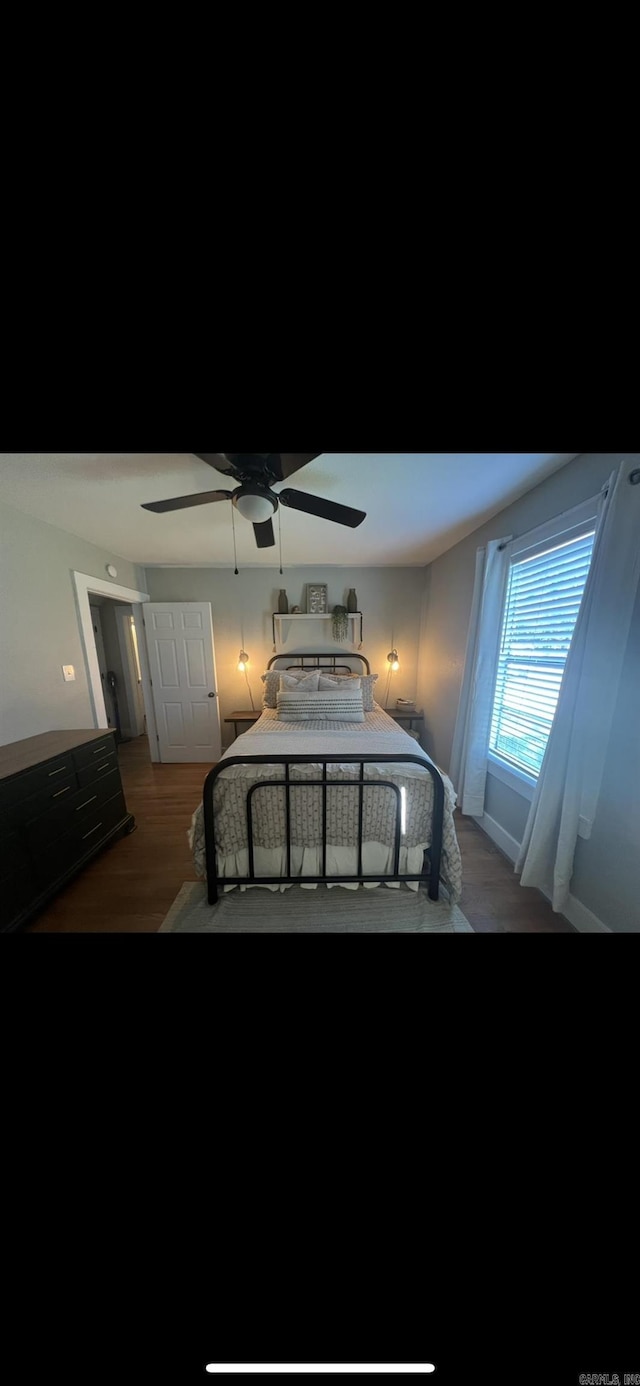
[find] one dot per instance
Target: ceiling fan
(257, 472)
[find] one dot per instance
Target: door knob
(211, 695)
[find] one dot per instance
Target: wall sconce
(243, 660)
(394, 663)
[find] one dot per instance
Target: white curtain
(566, 796)
(468, 769)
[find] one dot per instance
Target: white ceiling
(418, 504)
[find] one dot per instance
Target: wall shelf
(310, 616)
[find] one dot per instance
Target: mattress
(272, 736)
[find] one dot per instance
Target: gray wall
(389, 598)
(507, 806)
(39, 629)
(607, 867)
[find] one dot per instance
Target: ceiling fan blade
(284, 464)
(265, 536)
(219, 460)
(325, 509)
(183, 502)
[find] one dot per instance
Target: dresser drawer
(19, 787)
(38, 804)
(96, 825)
(90, 797)
(71, 809)
(97, 768)
(54, 859)
(12, 815)
(94, 751)
(15, 897)
(13, 855)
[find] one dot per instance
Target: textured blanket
(271, 736)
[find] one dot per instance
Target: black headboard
(314, 660)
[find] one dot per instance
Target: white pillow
(306, 683)
(328, 681)
(271, 681)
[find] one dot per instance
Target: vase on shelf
(352, 600)
(283, 604)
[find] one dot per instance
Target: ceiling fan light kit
(255, 500)
(255, 503)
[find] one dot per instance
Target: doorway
(96, 622)
(119, 665)
(131, 656)
(91, 591)
(183, 719)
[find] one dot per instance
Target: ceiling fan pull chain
(280, 534)
(235, 556)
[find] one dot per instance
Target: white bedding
(271, 736)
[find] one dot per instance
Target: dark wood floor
(492, 898)
(130, 886)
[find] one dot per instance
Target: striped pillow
(365, 681)
(332, 705)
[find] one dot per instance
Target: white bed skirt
(272, 861)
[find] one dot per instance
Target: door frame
(84, 584)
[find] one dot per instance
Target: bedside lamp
(394, 663)
(243, 660)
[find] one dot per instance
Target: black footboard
(283, 763)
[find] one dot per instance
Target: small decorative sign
(316, 599)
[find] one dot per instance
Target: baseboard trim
(582, 918)
(502, 839)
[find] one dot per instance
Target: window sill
(517, 780)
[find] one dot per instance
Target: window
(545, 586)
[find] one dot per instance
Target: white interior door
(183, 680)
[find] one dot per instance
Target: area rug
(320, 911)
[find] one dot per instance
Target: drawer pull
(103, 767)
(57, 772)
(87, 801)
(62, 791)
(93, 830)
(100, 749)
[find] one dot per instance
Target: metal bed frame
(433, 853)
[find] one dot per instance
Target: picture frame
(317, 599)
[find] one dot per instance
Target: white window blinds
(543, 598)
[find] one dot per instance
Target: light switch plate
(68, 673)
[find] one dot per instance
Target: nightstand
(246, 720)
(407, 719)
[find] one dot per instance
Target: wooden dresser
(61, 801)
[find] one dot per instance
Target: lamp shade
(255, 508)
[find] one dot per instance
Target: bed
(354, 805)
